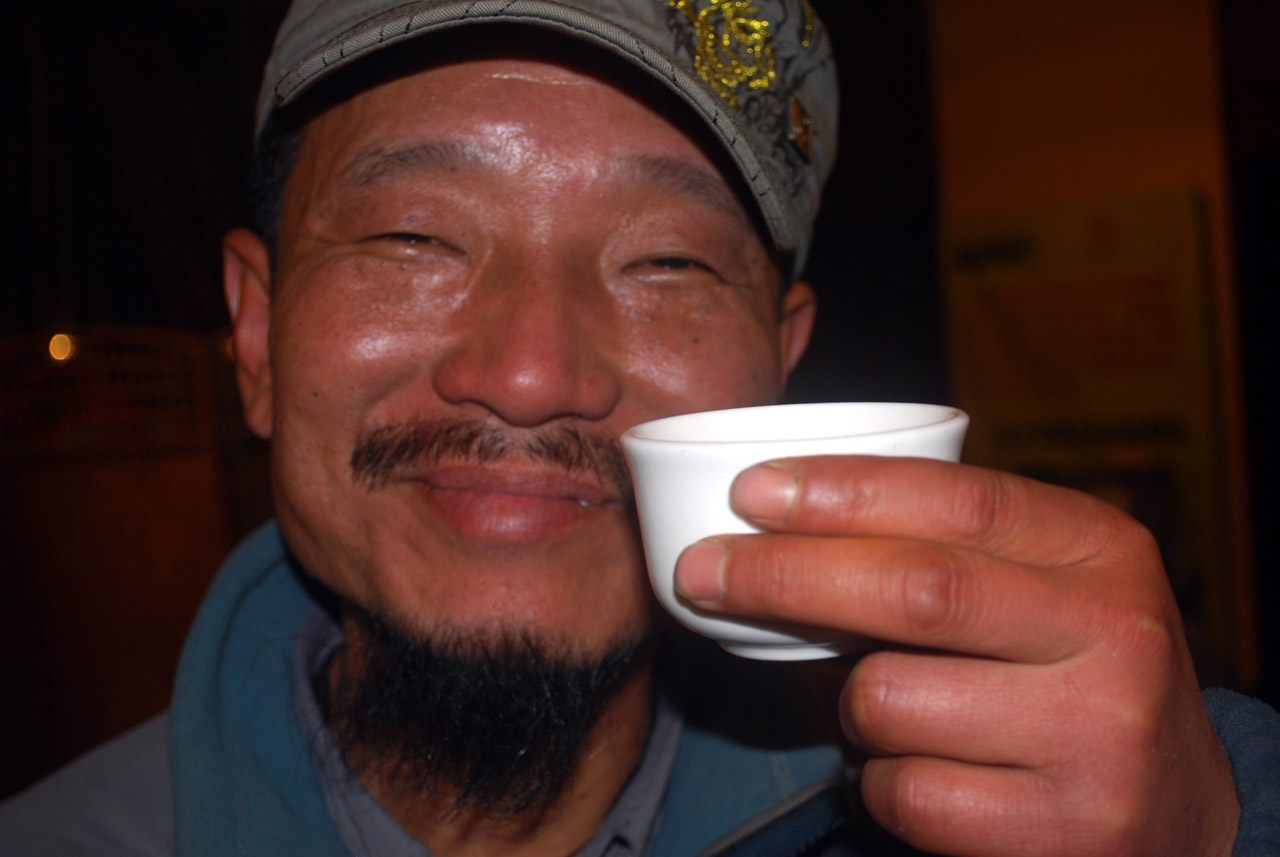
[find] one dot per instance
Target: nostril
(528, 378)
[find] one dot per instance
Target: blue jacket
(243, 782)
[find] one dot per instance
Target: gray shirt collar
(369, 831)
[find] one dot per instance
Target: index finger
(982, 510)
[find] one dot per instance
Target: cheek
(353, 336)
(340, 357)
(706, 355)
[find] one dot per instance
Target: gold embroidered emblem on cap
(735, 45)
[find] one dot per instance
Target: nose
(534, 344)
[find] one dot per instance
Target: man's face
(516, 249)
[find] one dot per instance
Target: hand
(1036, 697)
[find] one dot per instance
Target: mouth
(511, 503)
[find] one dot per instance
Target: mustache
(400, 449)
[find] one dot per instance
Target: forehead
(527, 116)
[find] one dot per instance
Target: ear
(246, 282)
(795, 325)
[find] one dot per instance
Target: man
(492, 236)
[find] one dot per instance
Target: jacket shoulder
(114, 800)
(1250, 732)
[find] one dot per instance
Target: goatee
(495, 724)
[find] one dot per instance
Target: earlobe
(795, 325)
(246, 283)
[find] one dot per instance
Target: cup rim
(643, 432)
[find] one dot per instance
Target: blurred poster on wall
(1082, 342)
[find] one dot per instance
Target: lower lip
(506, 518)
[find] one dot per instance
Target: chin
(496, 598)
(550, 635)
(495, 633)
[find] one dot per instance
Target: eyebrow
(375, 166)
(687, 181)
(676, 177)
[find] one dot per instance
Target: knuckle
(1134, 540)
(937, 594)
(769, 574)
(982, 504)
(771, 579)
(1149, 637)
(1116, 537)
(1105, 821)
(1138, 643)
(1115, 696)
(831, 492)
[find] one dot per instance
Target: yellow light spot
(62, 347)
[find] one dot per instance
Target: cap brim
(417, 19)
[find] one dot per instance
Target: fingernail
(700, 572)
(765, 492)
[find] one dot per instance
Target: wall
(1040, 106)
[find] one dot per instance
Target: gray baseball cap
(759, 73)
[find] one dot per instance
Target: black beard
(497, 725)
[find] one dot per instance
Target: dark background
(128, 137)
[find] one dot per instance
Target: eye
(677, 264)
(674, 263)
(411, 239)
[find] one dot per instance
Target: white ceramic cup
(683, 467)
